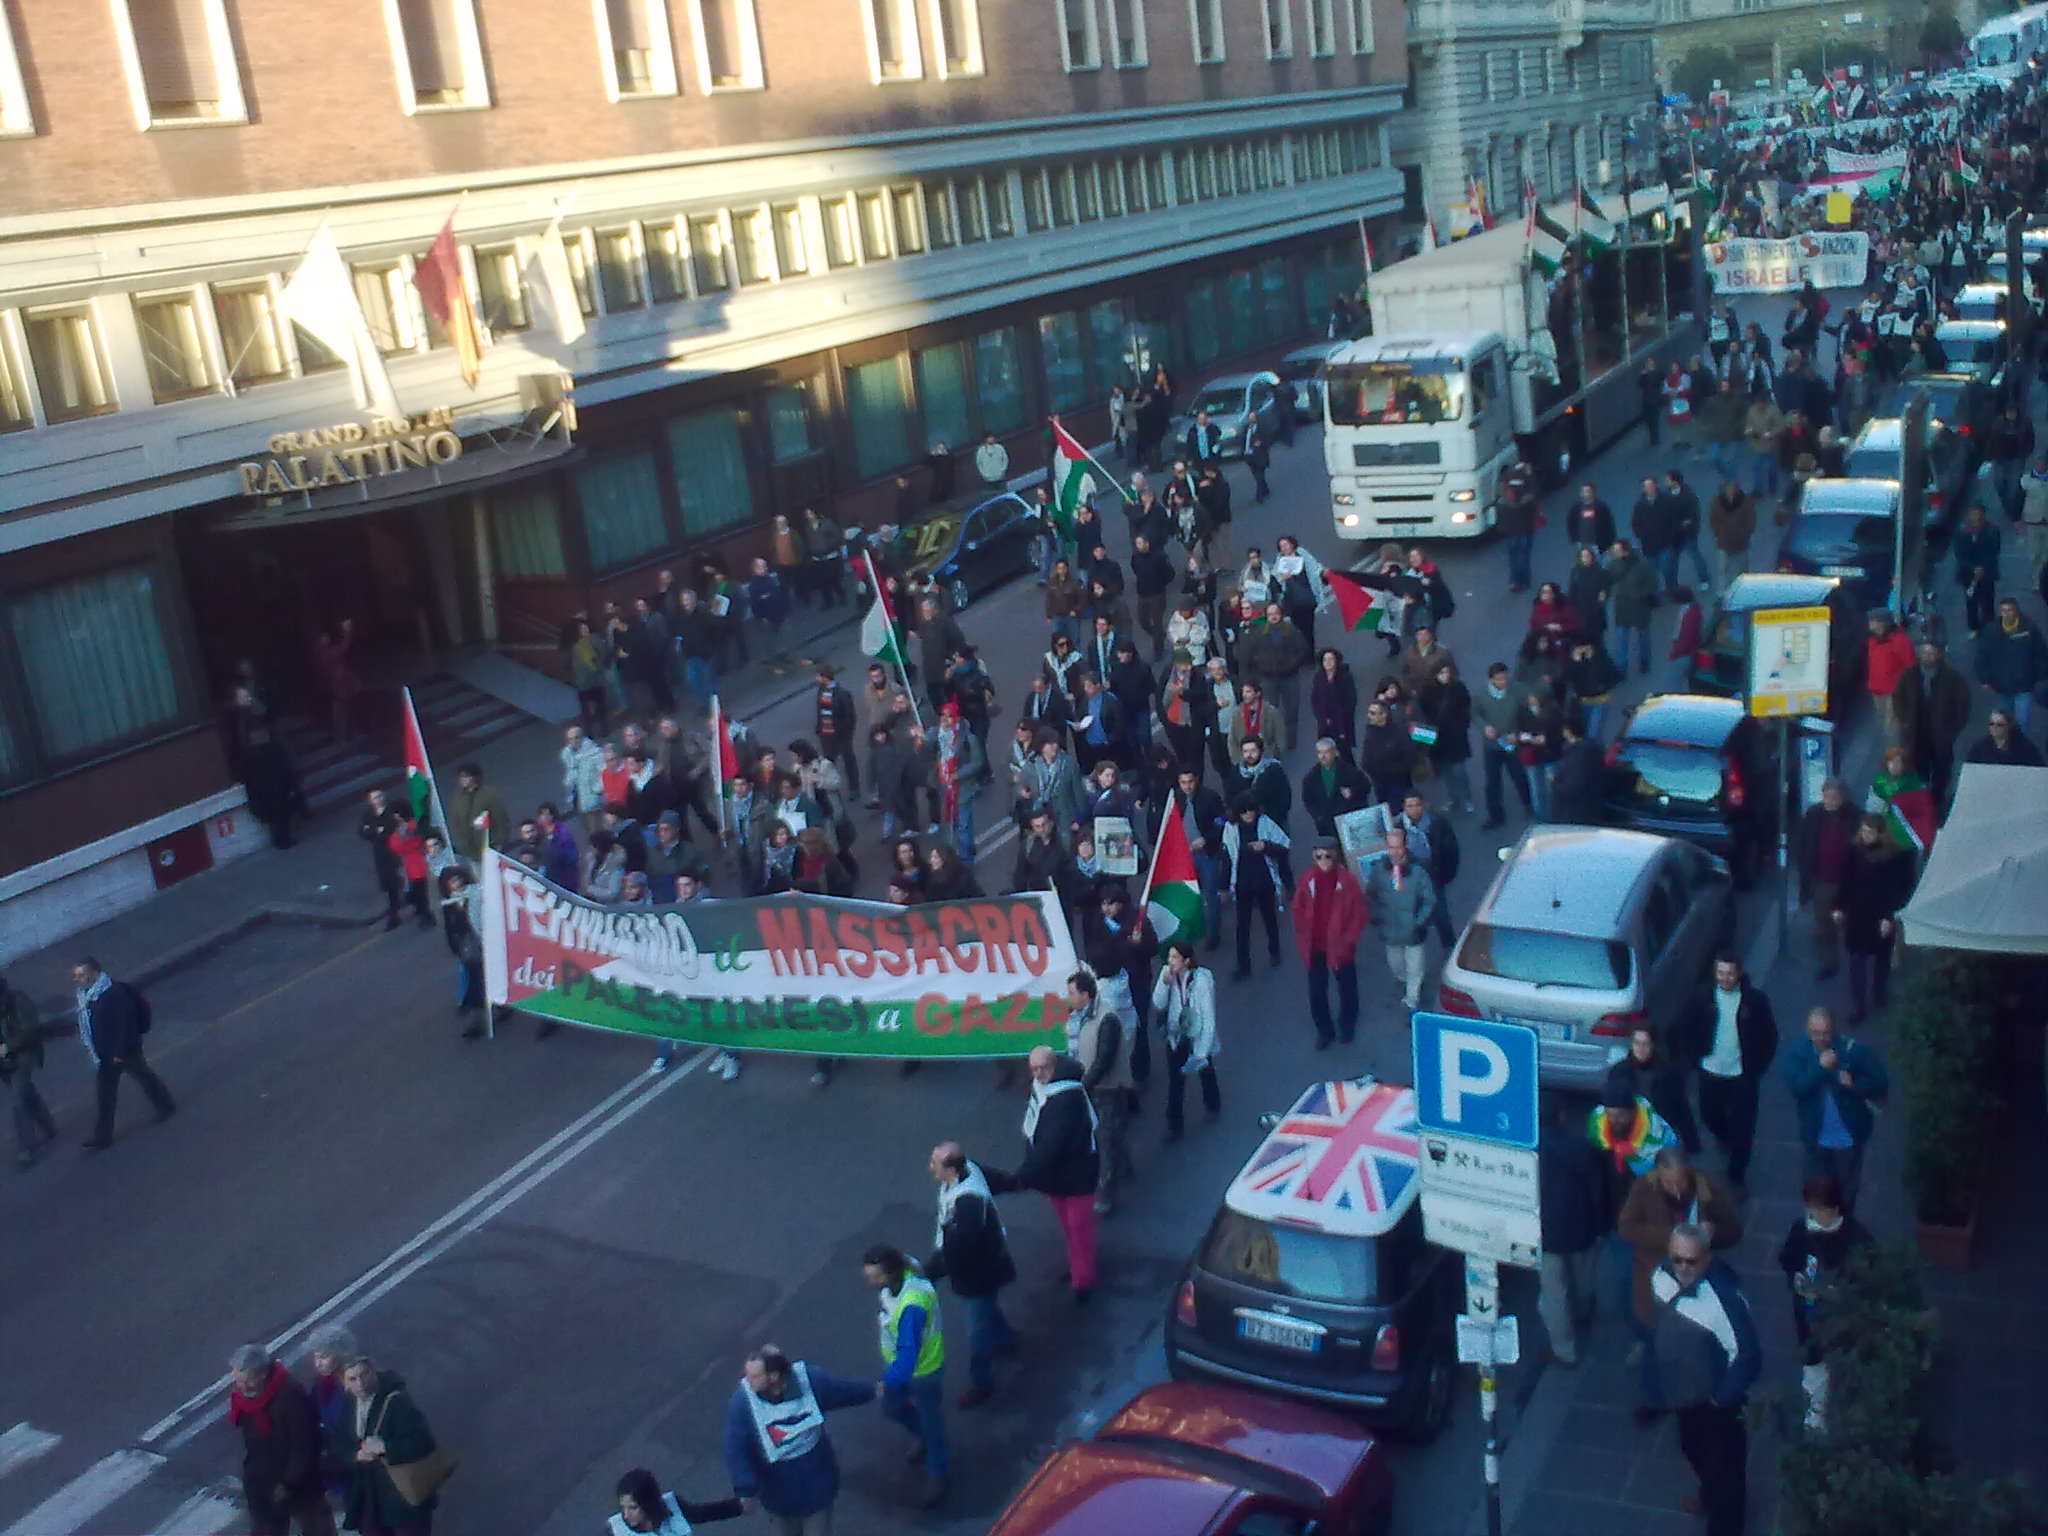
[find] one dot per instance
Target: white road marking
(186, 1422)
(204, 1514)
(72, 1507)
(23, 1444)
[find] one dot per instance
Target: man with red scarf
(280, 1447)
(956, 764)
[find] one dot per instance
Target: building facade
(807, 241)
(1768, 39)
(1517, 91)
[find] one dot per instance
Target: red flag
(438, 277)
(721, 732)
(420, 787)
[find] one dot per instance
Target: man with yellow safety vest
(913, 1348)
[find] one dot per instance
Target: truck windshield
(1394, 394)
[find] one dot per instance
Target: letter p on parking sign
(1475, 1077)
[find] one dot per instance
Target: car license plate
(1841, 570)
(1545, 1029)
(1262, 1329)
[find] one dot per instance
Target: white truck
(1479, 354)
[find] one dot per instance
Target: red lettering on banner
(782, 935)
(975, 1017)
(954, 926)
(925, 951)
(994, 932)
(1032, 942)
(824, 955)
(932, 1014)
(895, 954)
(858, 946)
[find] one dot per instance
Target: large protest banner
(1837, 259)
(817, 975)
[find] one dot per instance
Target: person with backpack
(113, 1016)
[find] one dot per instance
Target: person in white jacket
(582, 763)
(1184, 998)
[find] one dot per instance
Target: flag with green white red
(879, 636)
(423, 795)
(1362, 607)
(1173, 896)
(1072, 484)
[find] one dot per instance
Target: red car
(1191, 1459)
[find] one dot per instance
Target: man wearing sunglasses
(1702, 1361)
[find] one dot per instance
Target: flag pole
(896, 633)
(718, 740)
(1145, 890)
(1121, 489)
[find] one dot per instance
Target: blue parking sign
(1475, 1077)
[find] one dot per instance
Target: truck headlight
(1464, 517)
(1344, 499)
(1350, 519)
(1467, 495)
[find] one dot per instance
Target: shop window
(1106, 365)
(878, 416)
(792, 423)
(942, 396)
(251, 345)
(1066, 372)
(501, 290)
(728, 39)
(181, 61)
(668, 264)
(999, 380)
(753, 243)
(708, 267)
(1276, 296)
(619, 273)
(96, 660)
(1205, 345)
(1240, 312)
(620, 498)
(710, 458)
(70, 365)
(792, 249)
(639, 58)
(526, 532)
(439, 53)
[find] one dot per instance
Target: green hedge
(1943, 1027)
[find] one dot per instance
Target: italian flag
(1360, 606)
(420, 788)
(1173, 896)
(1071, 483)
(879, 636)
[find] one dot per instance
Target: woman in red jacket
(1553, 612)
(1887, 657)
(410, 844)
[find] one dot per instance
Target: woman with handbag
(398, 1469)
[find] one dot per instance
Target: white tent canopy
(1986, 882)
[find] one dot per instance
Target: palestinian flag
(420, 788)
(1072, 484)
(1173, 896)
(1907, 806)
(1545, 237)
(721, 743)
(1968, 175)
(1361, 606)
(879, 635)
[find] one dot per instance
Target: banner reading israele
(817, 975)
(1832, 260)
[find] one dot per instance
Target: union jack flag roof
(1343, 1160)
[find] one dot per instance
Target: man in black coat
(1591, 520)
(1335, 786)
(1578, 781)
(974, 1254)
(1061, 1160)
(1932, 705)
(1573, 1200)
(1731, 1034)
(280, 1446)
(834, 724)
(112, 1019)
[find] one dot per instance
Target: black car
(1850, 529)
(1317, 1283)
(1946, 469)
(967, 553)
(1721, 664)
(1699, 768)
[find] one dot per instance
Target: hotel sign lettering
(352, 452)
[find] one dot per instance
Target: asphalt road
(569, 1259)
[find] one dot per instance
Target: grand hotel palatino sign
(352, 453)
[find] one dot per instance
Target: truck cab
(1417, 432)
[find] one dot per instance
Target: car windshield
(1544, 959)
(1289, 1261)
(1874, 464)
(1393, 394)
(1670, 768)
(1837, 535)
(1220, 402)
(1730, 633)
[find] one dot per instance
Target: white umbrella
(1985, 886)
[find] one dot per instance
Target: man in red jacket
(1329, 918)
(1887, 655)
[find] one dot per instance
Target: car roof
(1372, 349)
(1837, 494)
(1881, 433)
(1314, 351)
(1688, 719)
(1294, 1439)
(1341, 1161)
(1981, 291)
(1010, 498)
(1097, 1488)
(1777, 589)
(1571, 880)
(1969, 330)
(1231, 381)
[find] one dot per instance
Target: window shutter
(175, 52)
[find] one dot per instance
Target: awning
(1985, 886)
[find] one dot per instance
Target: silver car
(1585, 934)
(1301, 371)
(1232, 401)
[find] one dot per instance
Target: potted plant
(1943, 1031)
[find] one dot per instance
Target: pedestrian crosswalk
(454, 717)
(129, 1490)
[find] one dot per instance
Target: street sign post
(1788, 662)
(1475, 1111)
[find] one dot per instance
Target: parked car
(1585, 933)
(1721, 664)
(1957, 400)
(1191, 1459)
(1314, 1279)
(1301, 370)
(1947, 467)
(1978, 348)
(1232, 401)
(1846, 528)
(1692, 766)
(1981, 301)
(964, 553)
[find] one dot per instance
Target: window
(1204, 344)
(999, 380)
(1205, 17)
(251, 345)
(668, 264)
(907, 220)
(1137, 194)
(439, 54)
(942, 395)
(956, 37)
(753, 243)
(1066, 374)
(1080, 43)
(70, 366)
(1184, 176)
(179, 57)
(1240, 312)
(1322, 28)
(842, 246)
(16, 117)
(727, 37)
(96, 660)
(382, 293)
(967, 201)
(710, 460)
(1087, 204)
(1126, 33)
(892, 39)
(500, 290)
(526, 531)
(620, 499)
(792, 423)
(708, 270)
(1110, 173)
(575, 247)
(15, 410)
(1226, 170)
(1059, 186)
(1106, 365)
(874, 226)
(1276, 298)
(878, 415)
(1279, 29)
(1358, 21)
(634, 48)
(996, 199)
(939, 226)
(1155, 180)
(792, 256)
(1205, 172)
(619, 274)
(1536, 71)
